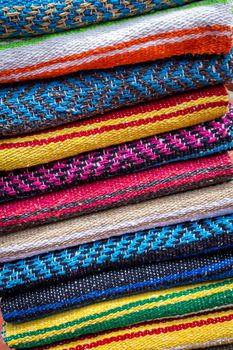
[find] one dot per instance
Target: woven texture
(202, 27)
(143, 247)
(114, 128)
(193, 142)
(33, 106)
(198, 331)
(29, 18)
(114, 192)
(115, 283)
(122, 312)
(191, 205)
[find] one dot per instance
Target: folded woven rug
(176, 302)
(115, 192)
(38, 105)
(112, 284)
(33, 17)
(189, 332)
(193, 142)
(192, 205)
(143, 247)
(114, 128)
(202, 27)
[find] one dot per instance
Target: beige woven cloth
(191, 205)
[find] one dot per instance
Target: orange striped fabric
(197, 28)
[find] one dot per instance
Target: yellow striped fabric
(114, 128)
(120, 312)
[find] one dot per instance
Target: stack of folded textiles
(116, 174)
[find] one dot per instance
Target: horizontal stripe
(58, 101)
(181, 329)
(125, 47)
(142, 247)
(127, 189)
(182, 333)
(138, 39)
(205, 139)
(123, 119)
(102, 201)
(29, 151)
(216, 45)
(34, 152)
(73, 323)
(76, 293)
(192, 205)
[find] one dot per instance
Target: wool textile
(179, 301)
(191, 205)
(33, 106)
(202, 27)
(193, 142)
(143, 247)
(115, 192)
(192, 332)
(35, 17)
(114, 128)
(113, 284)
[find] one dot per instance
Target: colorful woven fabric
(193, 142)
(192, 205)
(114, 192)
(36, 17)
(114, 128)
(196, 331)
(203, 27)
(119, 313)
(143, 247)
(38, 105)
(115, 283)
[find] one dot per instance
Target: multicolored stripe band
(187, 206)
(122, 312)
(143, 247)
(113, 284)
(197, 331)
(193, 142)
(29, 18)
(38, 105)
(114, 128)
(202, 27)
(114, 192)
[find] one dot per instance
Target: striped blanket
(202, 27)
(193, 142)
(191, 332)
(33, 106)
(115, 192)
(179, 301)
(114, 128)
(143, 247)
(191, 205)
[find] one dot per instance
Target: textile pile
(116, 174)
